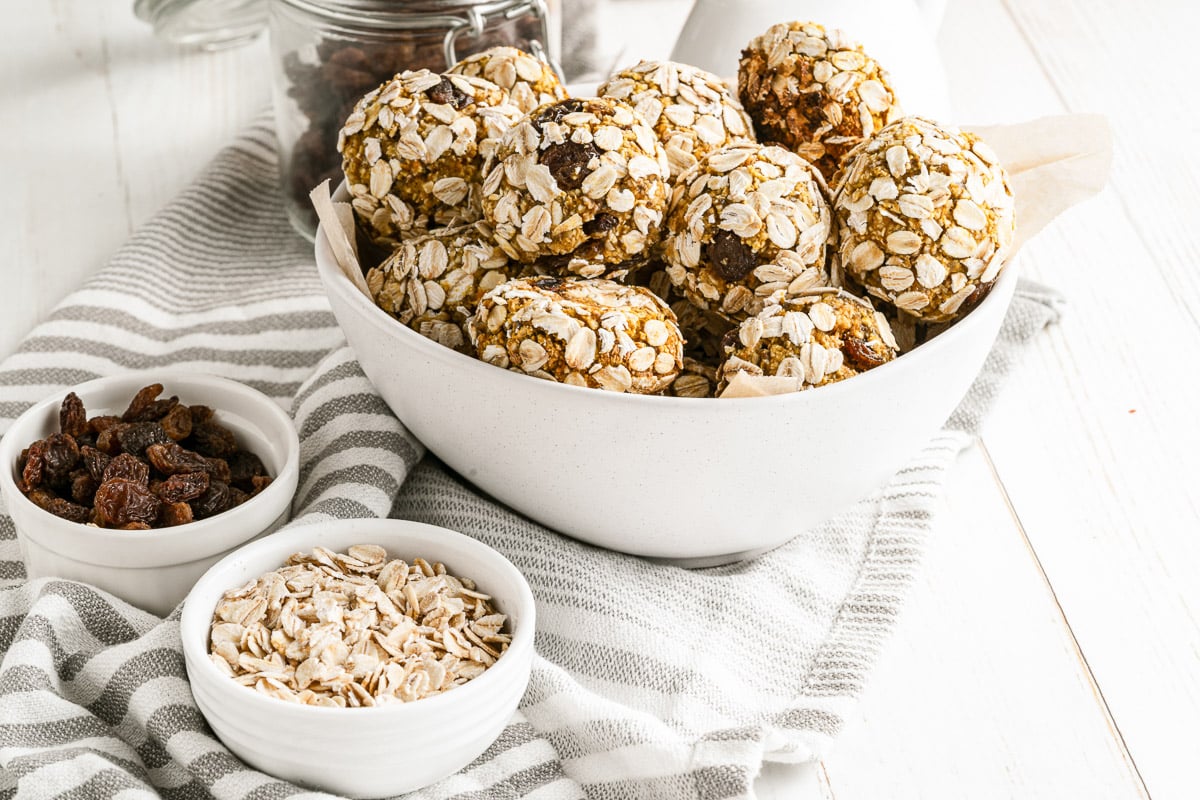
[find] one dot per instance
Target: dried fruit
(215, 500)
(134, 474)
(145, 408)
(59, 507)
(172, 459)
(177, 423)
(83, 487)
(211, 439)
(120, 502)
(183, 487)
(127, 467)
(244, 465)
(175, 514)
(72, 417)
(95, 461)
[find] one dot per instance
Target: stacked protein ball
(659, 239)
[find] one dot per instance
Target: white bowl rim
(197, 653)
(10, 448)
(335, 280)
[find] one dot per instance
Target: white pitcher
(899, 34)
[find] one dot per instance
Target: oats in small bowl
(351, 648)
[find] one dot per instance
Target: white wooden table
(1051, 648)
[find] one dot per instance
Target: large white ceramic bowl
(688, 479)
(152, 569)
(363, 752)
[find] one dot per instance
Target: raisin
(137, 436)
(60, 455)
(244, 465)
(108, 440)
(259, 482)
(22, 460)
(59, 507)
(129, 468)
(98, 425)
(976, 297)
(72, 417)
(568, 162)
(601, 223)
(549, 283)
(183, 487)
(212, 440)
(120, 502)
(134, 526)
(238, 495)
(177, 423)
(218, 498)
(175, 514)
(172, 458)
(218, 468)
(555, 112)
(201, 413)
(448, 94)
(729, 256)
(95, 461)
(145, 408)
(859, 354)
(35, 467)
(83, 487)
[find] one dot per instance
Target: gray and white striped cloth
(649, 680)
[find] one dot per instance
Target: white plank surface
(101, 126)
(986, 691)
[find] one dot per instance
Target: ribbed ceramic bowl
(152, 569)
(363, 752)
(687, 479)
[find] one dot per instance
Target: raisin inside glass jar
(329, 53)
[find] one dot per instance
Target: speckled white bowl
(692, 480)
(152, 569)
(363, 752)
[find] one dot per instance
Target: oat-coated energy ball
(574, 173)
(432, 283)
(822, 337)
(814, 91)
(415, 149)
(594, 333)
(749, 224)
(529, 80)
(925, 218)
(691, 110)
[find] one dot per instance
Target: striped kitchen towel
(648, 681)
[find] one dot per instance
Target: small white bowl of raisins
(137, 483)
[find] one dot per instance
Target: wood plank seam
(1102, 702)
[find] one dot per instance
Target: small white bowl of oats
(364, 657)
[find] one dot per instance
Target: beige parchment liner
(1053, 163)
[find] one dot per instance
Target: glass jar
(329, 53)
(209, 24)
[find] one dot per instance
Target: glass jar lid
(211, 24)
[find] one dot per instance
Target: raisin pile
(159, 464)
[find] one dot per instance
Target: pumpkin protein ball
(529, 81)
(414, 151)
(824, 336)
(432, 283)
(925, 218)
(814, 91)
(748, 224)
(578, 172)
(691, 110)
(594, 333)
